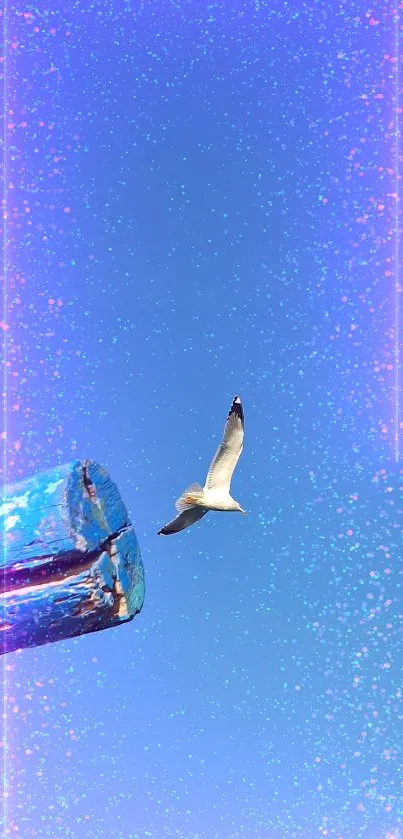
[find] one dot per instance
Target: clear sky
(201, 202)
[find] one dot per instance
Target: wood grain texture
(71, 561)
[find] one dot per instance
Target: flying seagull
(196, 501)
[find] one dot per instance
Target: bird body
(196, 501)
(218, 501)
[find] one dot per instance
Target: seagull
(196, 501)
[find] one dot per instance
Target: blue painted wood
(71, 509)
(71, 560)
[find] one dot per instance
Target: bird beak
(244, 512)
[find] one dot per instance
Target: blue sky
(202, 205)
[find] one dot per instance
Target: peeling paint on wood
(71, 560)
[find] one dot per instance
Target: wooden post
(71, 563)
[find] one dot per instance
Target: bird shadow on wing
(185, 519)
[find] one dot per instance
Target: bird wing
(227, 455)
(185, 519)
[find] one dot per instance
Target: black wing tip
(237, 409)
(165, 532)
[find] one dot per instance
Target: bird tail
(191, 497)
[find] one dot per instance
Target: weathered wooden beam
(71, 563)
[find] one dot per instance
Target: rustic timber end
(70, 563)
